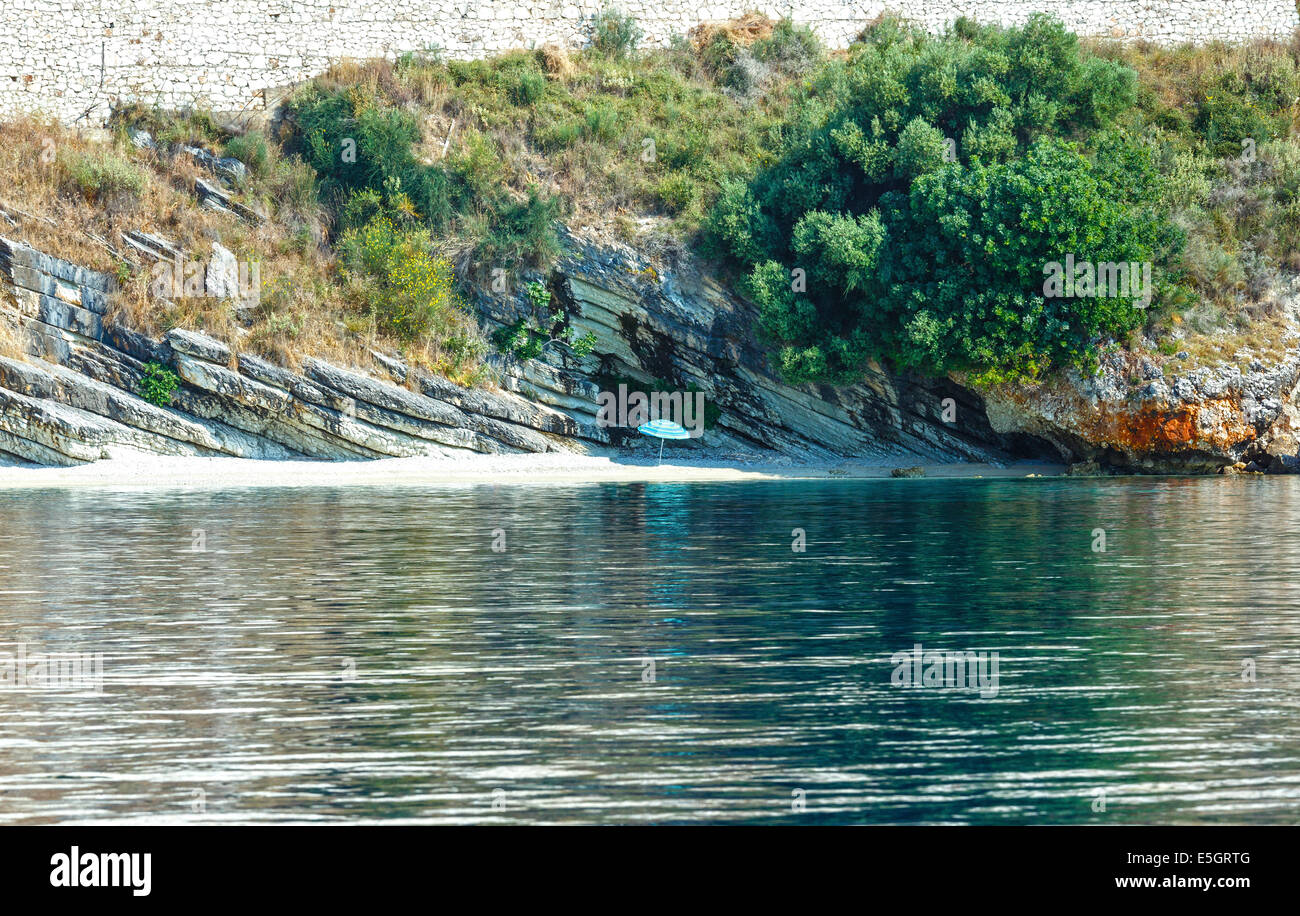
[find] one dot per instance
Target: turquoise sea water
(657, 653)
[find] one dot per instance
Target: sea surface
(654, 653)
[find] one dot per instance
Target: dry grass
(579, 139)
(9, 345)
(302, 309)
(1239, 216)
(31, 181)
(744, 30)
(555, 61)
(1175, 76)
(406, 82)
(1265, 340)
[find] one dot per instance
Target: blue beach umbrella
(661, 430)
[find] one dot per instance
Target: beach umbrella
(661, 430)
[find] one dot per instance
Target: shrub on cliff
(158, 384)
(1220, 120)
(393, 276)
(790, 48)
(961, 282)
(355, 143)
(748, 54)
(1254, 100)
(362, 144)
(409, 290)
(253, 149)
(103, 176)
(545, 324)
(923, 186)
(614, 34)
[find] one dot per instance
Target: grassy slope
(609, 137)
(1241, 215)
(635, 142)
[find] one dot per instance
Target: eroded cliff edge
(69, 395)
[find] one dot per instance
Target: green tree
(923, 185)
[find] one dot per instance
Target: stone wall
(73, 58)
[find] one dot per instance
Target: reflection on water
(365, 655)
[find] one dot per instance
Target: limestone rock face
(222, 277)
(1137, 415)
(74, 397)
(659, 324)
(675, 326)
(672, 326)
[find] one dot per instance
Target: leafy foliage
(1220, 121)
(527, 337)
(157, 384)
(614, 34)
(1255, 101)
(356, 143)
(923, 186)
(362, 146)
(410, 291)
(103, 175)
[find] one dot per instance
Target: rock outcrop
(1141, 413)
(664, 322)
(73, 392)
(676, 325)
(74, 395)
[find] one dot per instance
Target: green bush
(555, 135)
(520, 339)
(614, 34)
(476, 166)
(921, 149)
(527, 337)
(678, 192)
(1256, 104)
(522, 232)
(355, 142)
(966, 262)
(737, 225)
(463, 194)
(791, 48)
(409, 290)
(253, 150)
(602, 122)
(923, 186)
(526, 87)
(103, 174)
(157, 384)
(720, 54)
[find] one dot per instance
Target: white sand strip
(551, 468)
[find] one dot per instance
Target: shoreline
(551, 468)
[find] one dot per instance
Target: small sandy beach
(515, 469)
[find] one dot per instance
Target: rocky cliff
(70, 392)
(1149, 413)
(73, 395)
(662, 321)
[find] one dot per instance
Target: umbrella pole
(661, 452)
